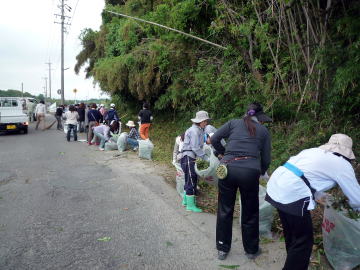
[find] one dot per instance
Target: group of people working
(102, 124)
(293, 188)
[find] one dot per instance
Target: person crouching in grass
(133, 136)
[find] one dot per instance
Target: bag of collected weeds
(341, 238)
(122, 141)
(266, 214)
(110, 146)
(180, 179)
(145, 149)
(208, 174)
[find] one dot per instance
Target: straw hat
(130, 123)
(340, 143)
(200, 116)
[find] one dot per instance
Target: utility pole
(49, 78)
(22, 89)
(63, 23)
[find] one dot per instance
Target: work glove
(322, 197)
(264, 177)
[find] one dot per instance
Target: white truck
(12, 116)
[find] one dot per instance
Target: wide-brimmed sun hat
(340, 143)
(200, 116)
(255, 109)
(130, 124)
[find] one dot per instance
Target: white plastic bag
(109, 146)
(209, 174)
(145, 149)
(180, 179)
(341, 238)
(122, 141)
(266, 214)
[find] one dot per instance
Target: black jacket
(81, 112)
(240, 143)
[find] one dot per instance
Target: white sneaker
(101, 149)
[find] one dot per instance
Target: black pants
(191, 178)
(298, 233)
(247, 181)
(59, 125)
(74, 128)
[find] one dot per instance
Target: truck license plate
(10, 127)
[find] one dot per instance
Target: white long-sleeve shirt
(323, 169)
(71, 117)
(40, 108)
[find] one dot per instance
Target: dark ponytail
(250, 125)
(251, 111)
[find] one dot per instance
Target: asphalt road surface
(66, 205)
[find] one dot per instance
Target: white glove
(264, 176)
(321, 197)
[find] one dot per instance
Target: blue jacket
(94, 115)
(112, 115)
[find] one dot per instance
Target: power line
(168, 28)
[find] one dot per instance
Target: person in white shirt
(294, 187)
(40, 111)
(72, 117)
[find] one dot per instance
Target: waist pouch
(222, 170)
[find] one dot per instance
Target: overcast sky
(30, 38)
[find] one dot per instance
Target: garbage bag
(209, 174)
(266, 214)
(110, 146)
(145, 149)
(122, 142)
(341, 239)
(180, 179)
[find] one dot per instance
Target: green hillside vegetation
(301, 59)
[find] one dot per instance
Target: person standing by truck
(30, 110)
(40, 112)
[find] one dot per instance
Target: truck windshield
(8, 103)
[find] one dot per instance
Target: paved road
(58, 200)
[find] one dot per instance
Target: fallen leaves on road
(61, 153)
(104, 239)
(169, 244)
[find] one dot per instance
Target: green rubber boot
(184, 199)
(191, 206)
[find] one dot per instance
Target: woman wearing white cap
(192, 149)
(294, 187)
